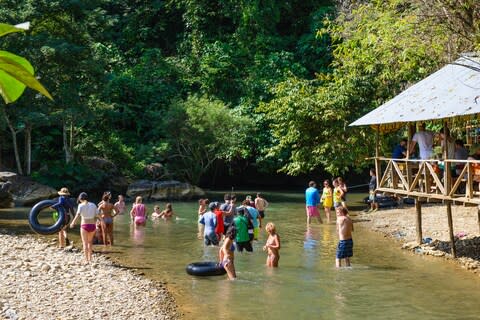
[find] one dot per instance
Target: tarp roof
(449, 92)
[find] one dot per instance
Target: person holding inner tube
(88, 212)
(226, 253)
(65, 202)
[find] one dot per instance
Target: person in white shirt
(424, 139)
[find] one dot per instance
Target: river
(384, 282)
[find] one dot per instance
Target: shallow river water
(383, 283)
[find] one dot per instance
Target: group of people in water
(332, 197)
(231, 227)
(235, 227)
(96, 226)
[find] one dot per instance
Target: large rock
(164, 190)
(24, 191)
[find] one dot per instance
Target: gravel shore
(400, 224)
(40, 281)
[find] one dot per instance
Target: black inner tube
(205, 269)
(46, 229)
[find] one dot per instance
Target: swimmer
(202, 208)
(226, 253)
(107, 211)
(156, 214)
(138, 212)
(345, 244)
(88, 212)
(272, 246)
(167, 213)
(120, 205)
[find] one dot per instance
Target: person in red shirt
(219, 229)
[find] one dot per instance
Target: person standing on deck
(424, 139)
(312, 201)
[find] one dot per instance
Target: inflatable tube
(205, 269)
(46, 229)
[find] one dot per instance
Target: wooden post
(478, 216)
(378, 168)
(450, 229)
(418, 207)
(447, 174)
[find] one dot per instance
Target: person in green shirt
(241, 224)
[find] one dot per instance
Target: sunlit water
(383, 283)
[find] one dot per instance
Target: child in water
(156, 213)
(272, 246)
(226, 253)
(167, 213)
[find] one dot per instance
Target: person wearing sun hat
(65, 202)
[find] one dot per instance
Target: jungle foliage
(193, 84)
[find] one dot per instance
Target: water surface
(383, 283)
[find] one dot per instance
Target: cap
(213, 205)
(83, 196)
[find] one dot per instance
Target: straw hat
(63, 192)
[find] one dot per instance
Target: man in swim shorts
(312, 200)
(344, 230)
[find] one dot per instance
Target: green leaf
(15, 74)
(6, 29)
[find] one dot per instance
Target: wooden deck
(429, 179)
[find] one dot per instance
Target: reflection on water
(384, 282)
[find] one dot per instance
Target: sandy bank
(39, 281)
(400, 225)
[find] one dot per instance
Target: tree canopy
(194, 85)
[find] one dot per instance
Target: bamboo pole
(418, 207)
(450, 229)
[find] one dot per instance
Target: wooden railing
(429, 179)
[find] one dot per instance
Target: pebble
(38, 281)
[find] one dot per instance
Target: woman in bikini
(272, 246)
(107, 212)
(138, 212)
(88, 212)
(227, 253)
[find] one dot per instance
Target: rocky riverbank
(40, 281)
(400, 224)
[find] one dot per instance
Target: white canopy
(450, 92)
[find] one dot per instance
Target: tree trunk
(28, 149)
(14, 142)
(66, 144)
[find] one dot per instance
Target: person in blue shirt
(400, 150)
(209, 219)
(312, 201)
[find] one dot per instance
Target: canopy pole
(377, 155)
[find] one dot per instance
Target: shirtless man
(260, 204)
(345, 245)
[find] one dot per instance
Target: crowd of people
(235, 227)
(230, 226)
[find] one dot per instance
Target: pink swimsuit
(140, 213)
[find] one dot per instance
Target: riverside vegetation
(150, 82)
